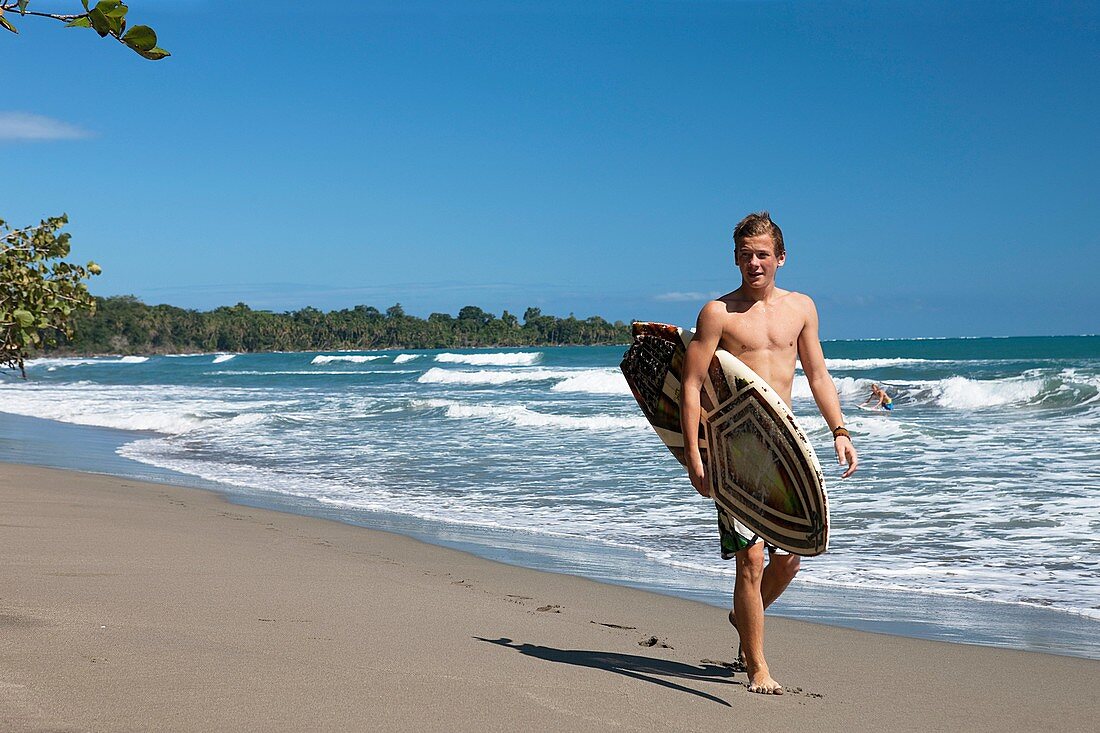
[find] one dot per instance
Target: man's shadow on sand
(629, 665)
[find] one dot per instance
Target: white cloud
(28, 126)
(678, 297)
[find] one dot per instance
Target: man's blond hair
(755, 225)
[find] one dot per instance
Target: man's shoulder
(714, 307)
(800, 301)
(712, 313)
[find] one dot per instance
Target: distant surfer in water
(884, 401)
(768, 329)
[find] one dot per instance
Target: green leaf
(114, 11)
(6, 24)
(141, 38)
(154, 54)
(24, 318)
(81, 22)
(84, 3)
(99, 22)
(112, 8)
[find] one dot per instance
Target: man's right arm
(708, 332)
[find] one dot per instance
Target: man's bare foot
(763, 683)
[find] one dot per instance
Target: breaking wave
(595, 381)
(437, 375)
(517, 358)
(351, 358)
(964, 393)
(52, 363)
(591, 381)
(161, 409)
(524, 417)
(856, 364)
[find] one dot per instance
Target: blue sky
(933, 165)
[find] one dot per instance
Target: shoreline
(903, 613)
(130, 604)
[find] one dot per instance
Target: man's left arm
(823, 389)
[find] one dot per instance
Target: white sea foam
(220, 358)
(845, 386)
(104, 412)
(968, 394)
(402, 358)
(51, 363)
(855, 364)
(524, 417)
(438, 375)
(591, 381)
(312, 373)
(350, 358)
(165, 409)
(594, 381)
(960, 393)
(510, 358)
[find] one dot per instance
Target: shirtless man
(882, 400)
(768, 329)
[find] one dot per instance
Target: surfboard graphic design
(762, 469)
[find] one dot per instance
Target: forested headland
(125, 325)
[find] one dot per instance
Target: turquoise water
(978, 497)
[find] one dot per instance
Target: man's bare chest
(761, 331)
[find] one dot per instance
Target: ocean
(975, 515)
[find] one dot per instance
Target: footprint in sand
(654, 641)
(550, 609)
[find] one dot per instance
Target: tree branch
(16, 232)
(10, 7)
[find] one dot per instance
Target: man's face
(757, 261)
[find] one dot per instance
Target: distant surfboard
(761, 468)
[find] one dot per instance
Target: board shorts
(735, 537)
(888, 406)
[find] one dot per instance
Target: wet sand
(131, 606)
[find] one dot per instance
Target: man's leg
(777, 576)
(748, 601)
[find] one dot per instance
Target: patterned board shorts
(735, 537)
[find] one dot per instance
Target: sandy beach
(130, 606)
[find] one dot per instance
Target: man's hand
(845, 454)
(698, 475)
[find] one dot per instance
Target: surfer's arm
(823, 388)
(700, 350)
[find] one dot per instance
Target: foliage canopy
(39, 292)
(125, 325)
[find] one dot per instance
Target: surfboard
(761, 467)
